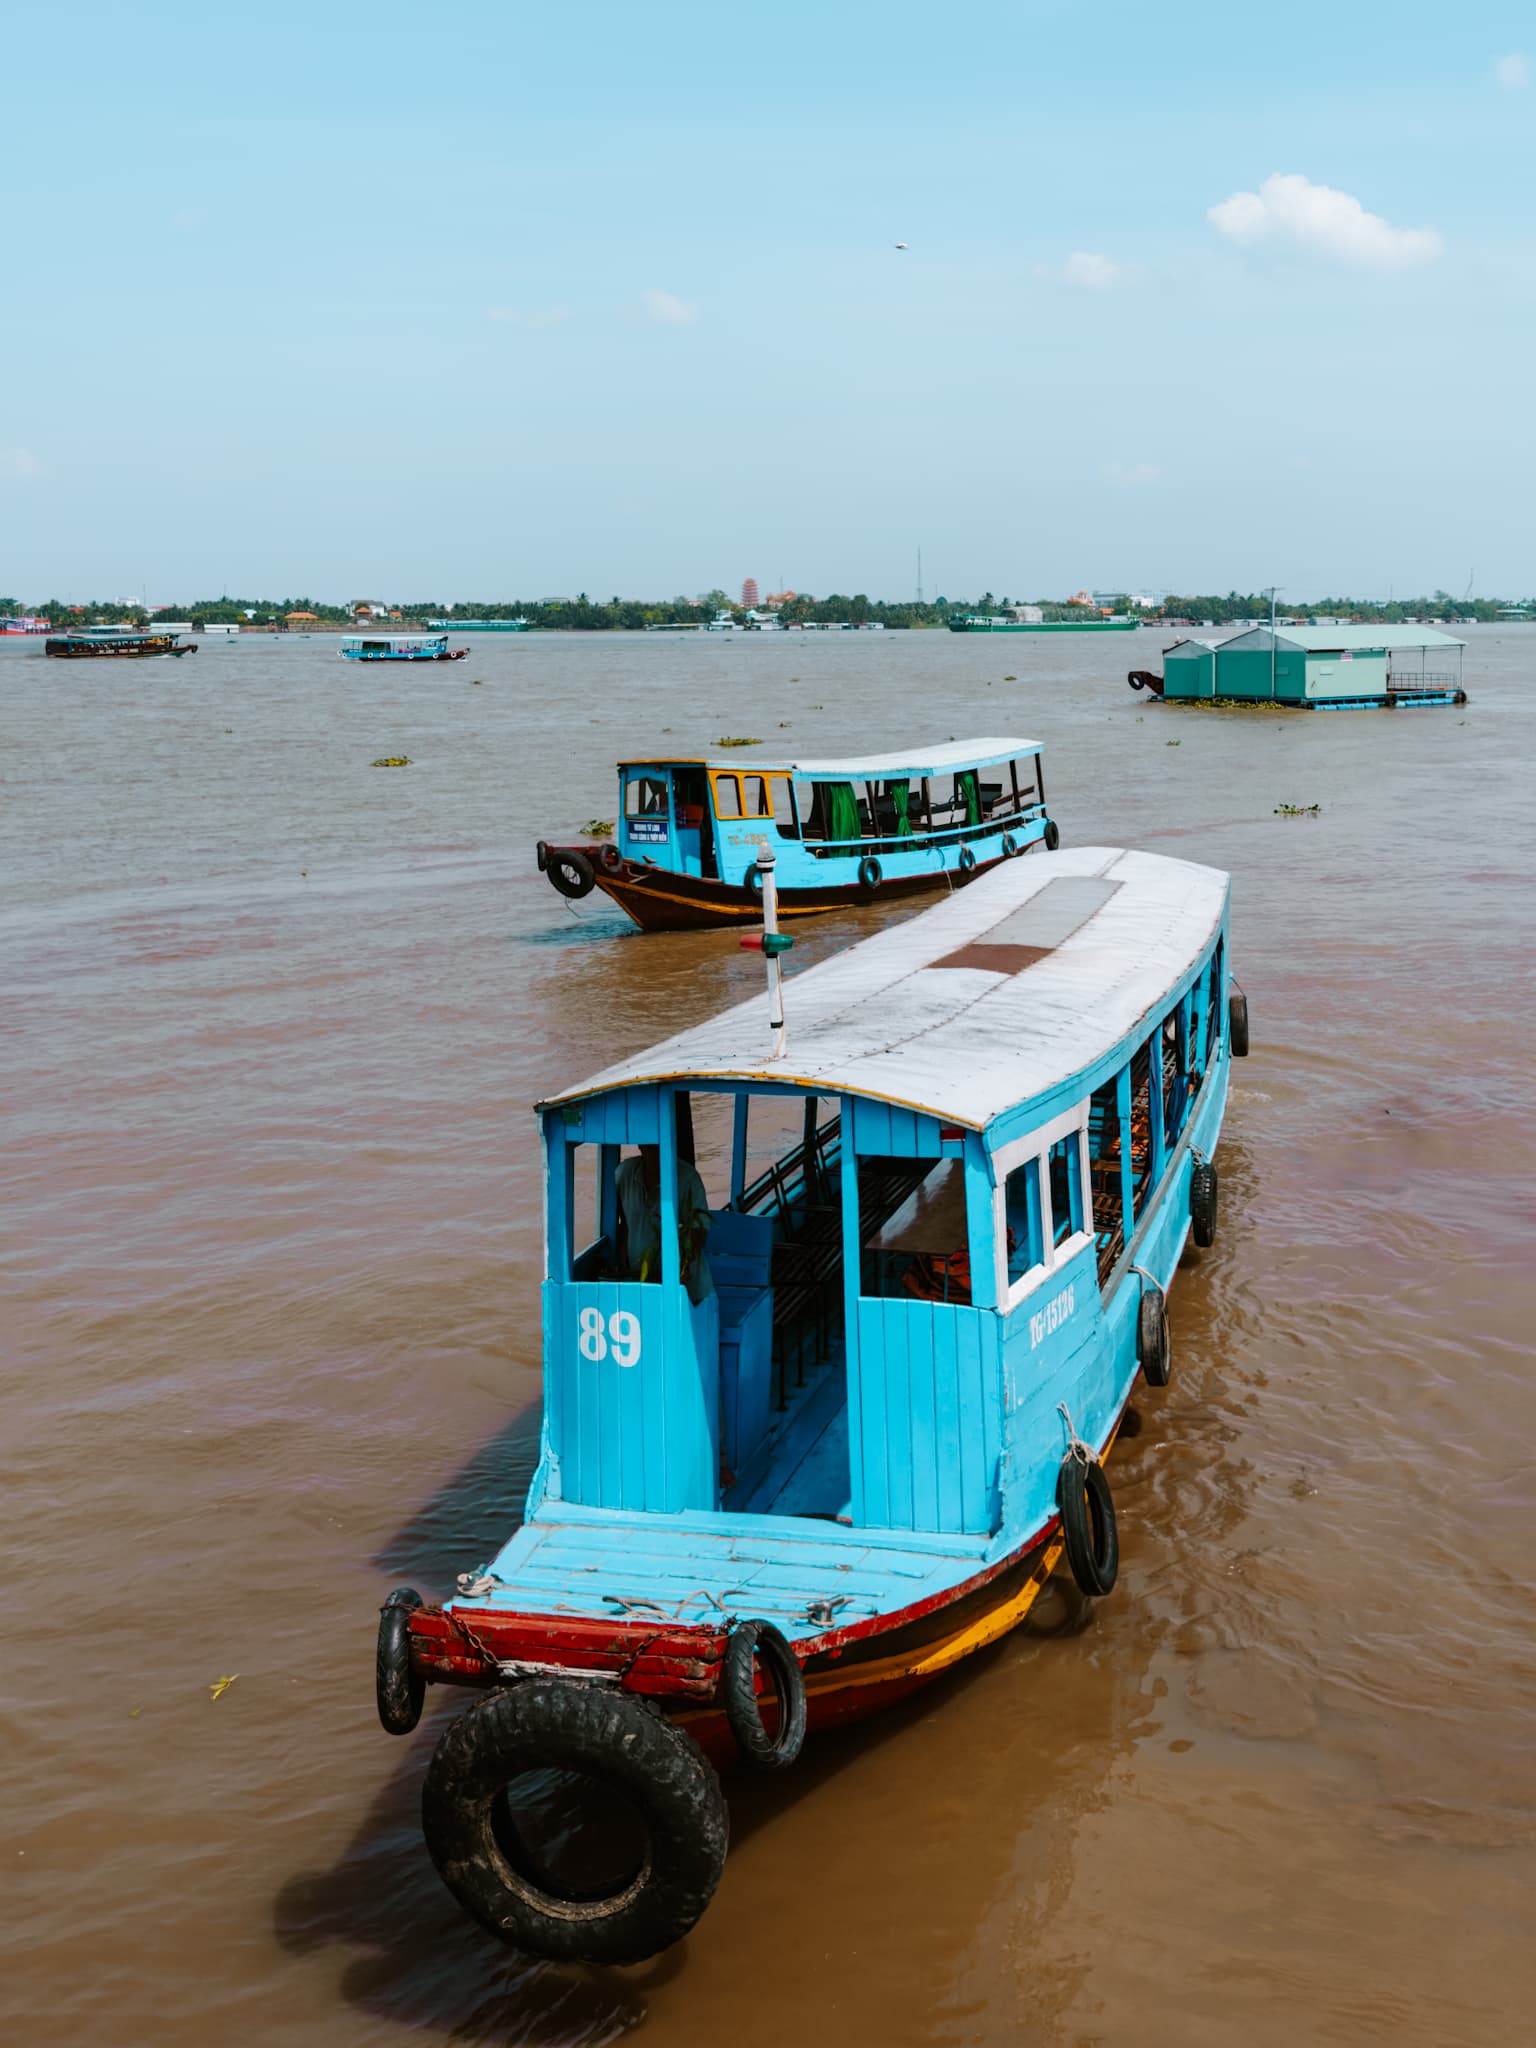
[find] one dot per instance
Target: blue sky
(485, 300)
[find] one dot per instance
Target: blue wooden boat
(399, 647)
(832, 1364)
(691, 833)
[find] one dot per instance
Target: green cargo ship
(978, 622)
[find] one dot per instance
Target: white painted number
(1052, 1316)
(622, 1332)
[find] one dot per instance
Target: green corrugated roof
(1323, 639)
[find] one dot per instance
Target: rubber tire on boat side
(753, 879)
(1152, 1346)
(1010, 846)
(967, 861)
(1203, 1204)
(1052, 835)
(747, 1642)
(610, 856)
(1237, 1024)
(1088, 1525)
(871, 874)
(541, 854)
(570, 872)
(553, 1724)
(398, 1689)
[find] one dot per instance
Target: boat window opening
(996, 797)
(810, 810)
(891, 803)
(913, 1236)
(645, 796)
(1026, 787)
(1026, 1243)
(1141, 1126)
(1216, 1008)
(755, 799)
(1175, 1049)
(843, 811)
(954, 801)
(727, 796)
(1104, 1174)
(591, 1247)
(1066, 1175)
(781, 805)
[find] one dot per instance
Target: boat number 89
(620, 1334)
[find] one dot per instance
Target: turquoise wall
(1245, 672)
(1189, 675)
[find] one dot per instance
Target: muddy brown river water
(272, 1024)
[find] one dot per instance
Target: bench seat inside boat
(698, 1568)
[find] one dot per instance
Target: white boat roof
(999, 995)
(930, 760)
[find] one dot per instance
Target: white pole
(765, 862)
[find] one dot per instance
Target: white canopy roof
(997, 996)
(929, 760)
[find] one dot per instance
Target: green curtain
(899, 793)
(842, 811)
(970, 796)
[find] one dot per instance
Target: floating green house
(1314, 668)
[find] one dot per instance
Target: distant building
(749, 598)
(1027, 614)
(777, 598)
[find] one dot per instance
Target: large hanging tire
(1152, 1347)
(871, 874)
(1052, 835)
(967, 861)
(1237, 1024)
(398, 1689)
(493, 1868)
(1088, 1524)
(570, 872)
(1202, 1204)
(610, 856)
(1011, 846)
(749, 1641)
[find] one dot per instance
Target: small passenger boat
(833, 1358)
(691, 833)
(96, 643)
(399, 647)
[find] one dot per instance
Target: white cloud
(1130, 475)
(669, 311)
(19, 466)
(1291, 212)
(1513, 70)
(518, 316)
(1087, 271)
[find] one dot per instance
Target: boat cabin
(712, 817)
(848, 1288)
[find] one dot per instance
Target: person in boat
(639, 1191)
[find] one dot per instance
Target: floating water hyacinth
(391, 761)
(598, 828)
(1297, 810)
(733, 742)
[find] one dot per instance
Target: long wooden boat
(95, 646)
(691, 833)
(832, 1362)
(399, 647)
(983, 622)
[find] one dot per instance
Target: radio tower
(919, 575)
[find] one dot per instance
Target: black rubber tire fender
(398, 1688)
(1237, 1024)
(967, 860)
(747, 1642)
(1010, 846)
(1203, 1203)
(1052, 835)
(610, 856)
(1088, 1525)
(753, 879)
(541, 854)
(871, 874)
(571, 872)
(553, 1724)
(1136, 679)
(1152, 1347)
